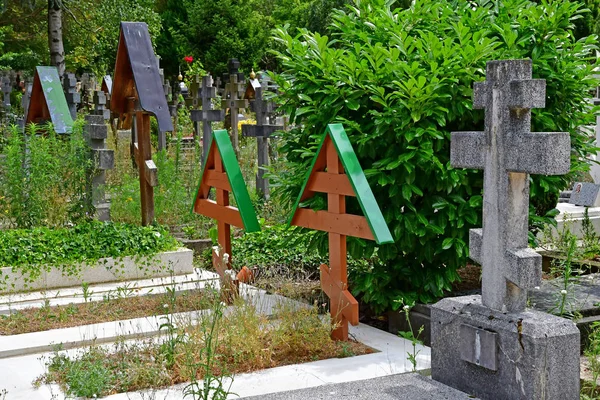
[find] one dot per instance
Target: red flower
(188, 59)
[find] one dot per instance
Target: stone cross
(507, 152)
(233, 88)
(6, 90)
(193, 101)
(207, 115)
(96, 133)
(261, 131)
(70, 89)
(100, 104)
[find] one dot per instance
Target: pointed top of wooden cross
(137, 75)
(352, 183)
(228, 178)
(48, 101)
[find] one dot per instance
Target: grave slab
(392, 387)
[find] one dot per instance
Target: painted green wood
(357, 178)
(55, 99)
(236, 180)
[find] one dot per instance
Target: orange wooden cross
(221, 171)
(336, 172)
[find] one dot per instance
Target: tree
(55, 35)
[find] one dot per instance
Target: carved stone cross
(70, 89)
(261, 131)
(207, 115)
(507, 152)
(233, 88)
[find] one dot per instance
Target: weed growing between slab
(589, 387)
(113, 307)
(225, 342)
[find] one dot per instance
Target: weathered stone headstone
(491, 346)
(96, 133)
(70, 89)
(585, 194)
(261, 131)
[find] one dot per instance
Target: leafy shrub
(400, 81)
(44, 179)
(282, 251)
(86, 242)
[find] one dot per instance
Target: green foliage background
(400, 81)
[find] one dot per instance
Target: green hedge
(401, 81)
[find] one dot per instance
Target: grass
(238, 340)
(107, 310)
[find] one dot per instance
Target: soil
(65, 316)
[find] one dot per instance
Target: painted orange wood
(344, 224)
(216, 179)
(227, 214)
(325, 182)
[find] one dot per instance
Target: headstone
(490, 345)
(96, 133)
(70, 89)
(261, 131)
(585, 194)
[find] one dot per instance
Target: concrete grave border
(109, 269)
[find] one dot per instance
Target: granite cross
(207, 114)
(233, 88)
(507, 152)
(70, 89)
(261, 131)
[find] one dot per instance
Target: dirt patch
(108, 310)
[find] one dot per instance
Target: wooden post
(146, 166)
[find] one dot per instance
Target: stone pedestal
(494, 355)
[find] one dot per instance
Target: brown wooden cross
(137, 92)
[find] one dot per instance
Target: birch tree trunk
(55, 36)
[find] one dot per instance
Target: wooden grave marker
(221, 171)
(48, 101)
(137, 92)
(335, 170)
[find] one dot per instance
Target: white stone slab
(176, 262)
(199, 279)
(18, 373)
(572, 216)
